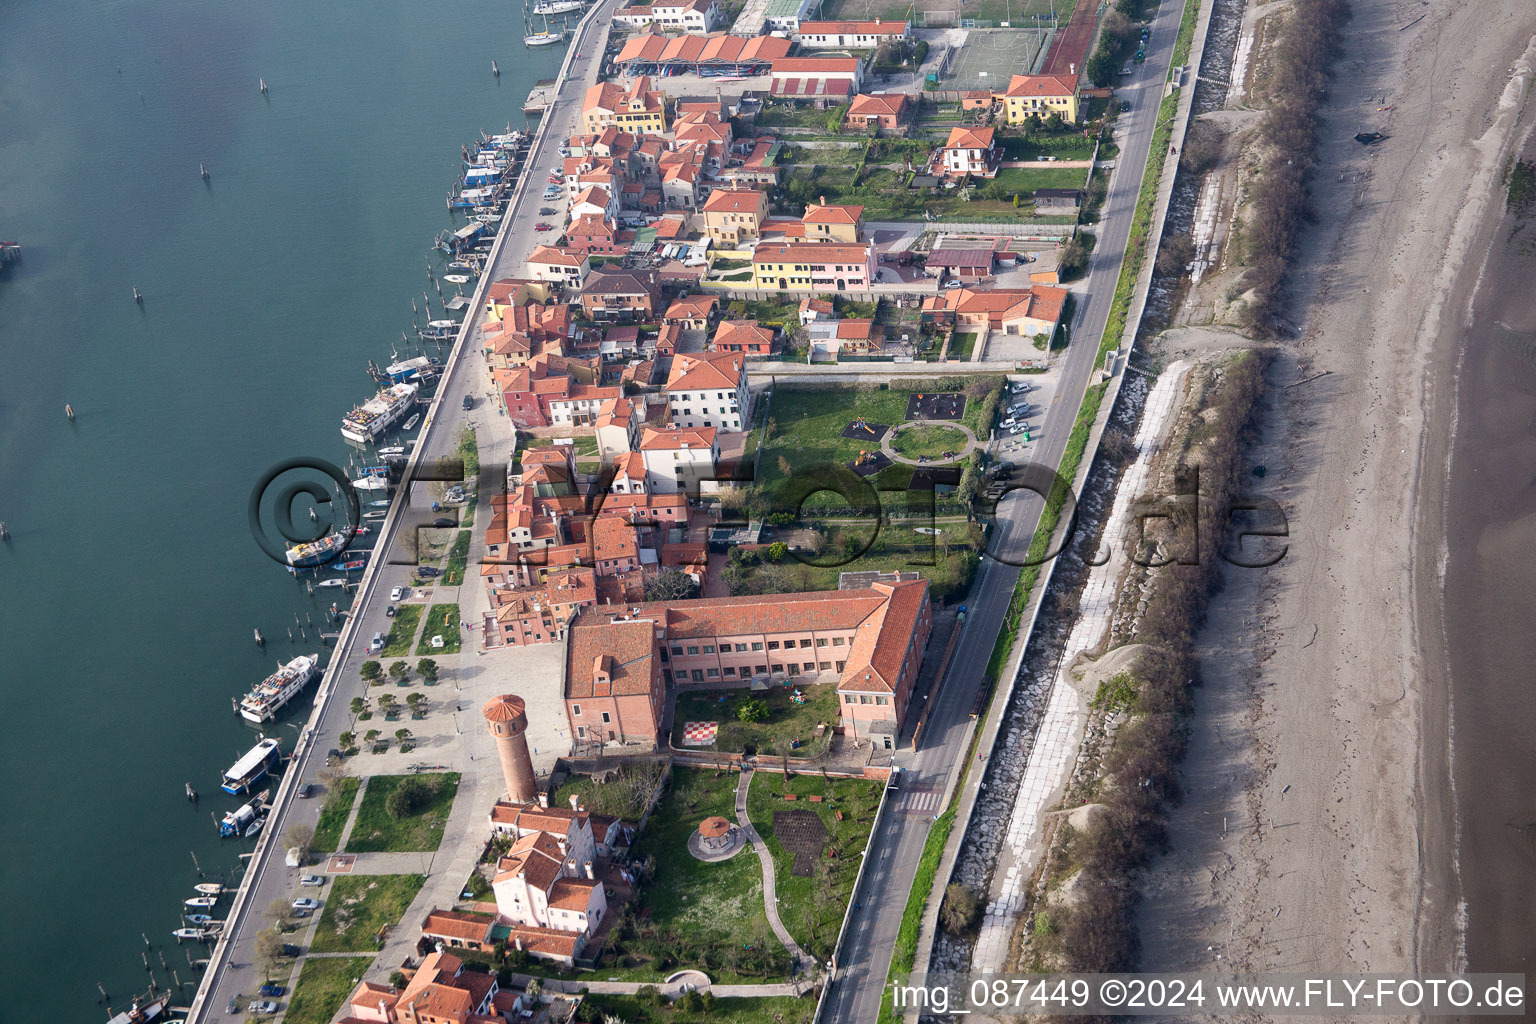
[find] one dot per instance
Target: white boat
(410, 424)
(268, 696)
(371, 419)
(385, 453)
(209, 888)
(456, 278)
(374, 515)
(371, 483)
(331, 583)
(545, 38)
(145, 1010)
(307, 556)
(203, 902)
(252, 767)
(197, 934)
(558, 6)
(379, 504)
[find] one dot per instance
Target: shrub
(960, 909)
(752, 710)
(409, 795)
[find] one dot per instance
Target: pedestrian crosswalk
(920, 800)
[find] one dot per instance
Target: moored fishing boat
(200, 902)
(251, 768)
(319, 552)
(410, 424)
(371, 419)
(143, 1010)
(268, 696)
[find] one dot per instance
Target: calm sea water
(131, 585)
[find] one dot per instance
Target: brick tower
(507, 718)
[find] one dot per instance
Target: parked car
(265, 1006)
(311, 880)
(389, 612)
(305, 790)
(376, 644)
(547, 211)
(468, 403)
(544, 226)
(305, 903)
(270, 989)
(399, 593)
(427, 572)
(291, 950)
(444, 522)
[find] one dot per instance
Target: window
(840, 665)
(606, 719)
(709, 648)
(692, 649)
(581, 732)
(741, 647)
(848, 698)
(576, 710)
(713, 673)
(882, 701)
(837, 641)
(729, 671)
(863, 699)
(773, 645)
(805, 643)
(762, 670)
(821, 641)
(824, 665)
(677, 650)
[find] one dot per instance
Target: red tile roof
(851, 28)
(970, 138)
(625, 650)
(699, 371)
(821, 213)
(734, 200)
(676, 438)
(1043, 86)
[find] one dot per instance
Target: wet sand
(1489, 606)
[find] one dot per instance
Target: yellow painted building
(1040, 96)
(732, 215)
(812, 267)
(639, 110)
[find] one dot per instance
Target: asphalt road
(234, 974)
(872, 929)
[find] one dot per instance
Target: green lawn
(357, 906)
(764, 1010)
(805, 424)
(962, 345)
(333, 816)
(402, 631)
(376, 830)
(947, 560)
(812, 907)
(775, 313)
(443, 621)
(623, 796)
(324, 984)
(786, 721)
(929, 441)
(692, 912)
(1068, 144)
(1027, 179)
(453, 572)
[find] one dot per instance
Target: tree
(371, 735)
(301, 836)
(402, 734)
(346, 739)
(406, 798)
(752, 709)
(671, 585)
(371, 670)
(386, 702)
(533, 988)
(269, 950)
(279, 909)
(776, 551)
(397, 979)
(960, 908)
(415, 700)
(358, 706)
(427, 669)
(398, 671)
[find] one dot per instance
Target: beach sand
(1318, 829)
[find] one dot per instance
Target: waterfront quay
(234, 974)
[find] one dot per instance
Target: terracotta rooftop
(624, 651)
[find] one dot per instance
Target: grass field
(786, 721)
(1026, 179)
(805, 424)
(622, 797)
(764, 1010)
(378, 831)
(453, 572)
(812, 907)
(324, 984)
(402, 630)
(357, 906)
(961, 345)
(443, 621)
(689, 902)
(333, 816)
(928, 441)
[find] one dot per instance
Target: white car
(398, 594)
(305, 903)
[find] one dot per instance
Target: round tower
(507, 718)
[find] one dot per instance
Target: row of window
(779, 268)
(864, 698)
(794, 668)
(773, 645)
(576, 713)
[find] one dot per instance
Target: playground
(870, 462)
(921, 442)
(862, 430)
(947, 405)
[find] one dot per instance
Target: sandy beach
(1318, 832)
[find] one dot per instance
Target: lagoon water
(131, 584)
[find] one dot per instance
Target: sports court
(991, 56)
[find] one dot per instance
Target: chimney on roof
(543, 798)
(1071, 69)
(587, 868)
(517, 942)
